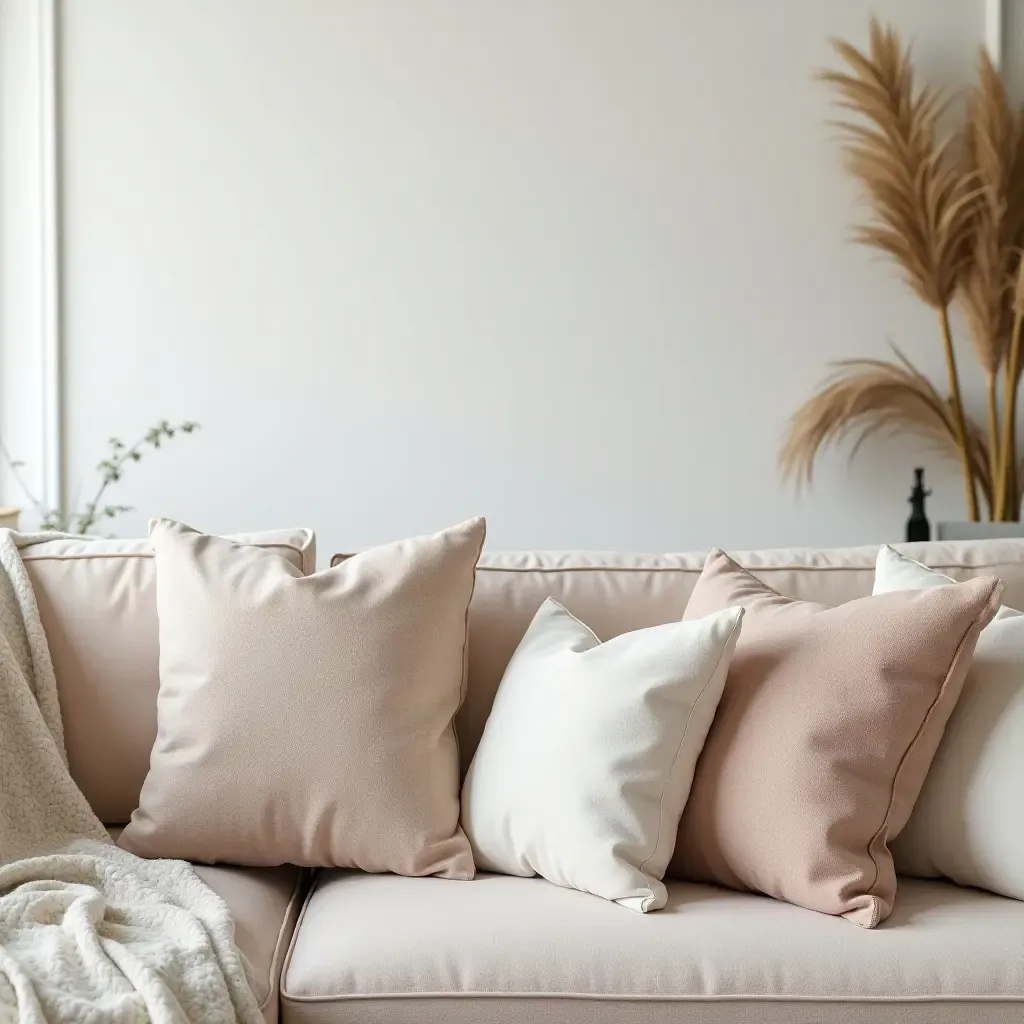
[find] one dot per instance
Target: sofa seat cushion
(265, 904)
(379, 948)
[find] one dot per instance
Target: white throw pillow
(967, 824)
(587, 757)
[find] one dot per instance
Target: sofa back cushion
(614, 593)
(97, 600)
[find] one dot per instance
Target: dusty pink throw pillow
(823, 737)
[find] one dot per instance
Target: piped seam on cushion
(750, 570)
(469, 601)
(465, 657)
(275, 961)
(317, 873)
(993, 600)
(746, 572)
(637, 997)
(86, 555)
(675, 759)
(579, 622)
(462, 697)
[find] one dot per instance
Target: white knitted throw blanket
(88, 932)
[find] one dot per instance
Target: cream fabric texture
(308, 720)
(97, 600)
(89, 933)
(587, 757)
(389, 949)
(968, 822)
(823, 737)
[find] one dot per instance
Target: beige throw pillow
(308, 720)
(97, 602)
(820, 745)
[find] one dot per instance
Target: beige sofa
(348, 947)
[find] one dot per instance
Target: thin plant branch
(110, 469)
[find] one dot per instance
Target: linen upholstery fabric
(614, 592)
(265, 905)
(308, 720)
(968, 824)
(587, 758)
(821, 742)
(97, 600)
(406, 951)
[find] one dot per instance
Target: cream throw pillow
(308, 720)
(587, 756)
(968, 824)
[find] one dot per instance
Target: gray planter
(978, 531)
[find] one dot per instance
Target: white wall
(568, 263)
(22, 371)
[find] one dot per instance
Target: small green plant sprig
(110, 471)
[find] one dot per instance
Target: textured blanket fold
(88, 932)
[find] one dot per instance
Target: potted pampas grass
(948, 210)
